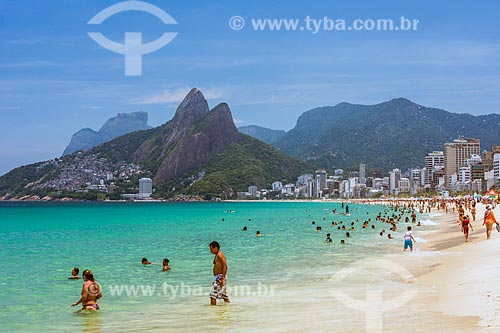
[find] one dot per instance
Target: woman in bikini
(91, 292)
(489, 220)
(465, 227)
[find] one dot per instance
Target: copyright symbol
(236, 22)
(94, 289)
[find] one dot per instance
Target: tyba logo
(132, 49)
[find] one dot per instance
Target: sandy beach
(457, 281)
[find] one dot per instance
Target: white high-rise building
(433, 161)
(252, 191)
(404, 185)
(465, 174)
(277, 186)
(145, 187)
(362, 173)
(496, 167)
(320, 181)
(394, 177)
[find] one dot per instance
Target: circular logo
(364, 305)
(236, 22)
(94, 289)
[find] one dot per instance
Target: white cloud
(176, 96)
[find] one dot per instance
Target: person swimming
(258, 234)
(245, 228)
(145, 261)
(74, 274)
(166, 266)
(328, 238)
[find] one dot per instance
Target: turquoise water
(279, 275)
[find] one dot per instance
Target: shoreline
(456, 279)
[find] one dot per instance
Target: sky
(55, 79)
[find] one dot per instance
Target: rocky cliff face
(117, 126)
(190, 139)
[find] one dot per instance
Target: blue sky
(55, 79)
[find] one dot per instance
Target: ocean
(285, 281)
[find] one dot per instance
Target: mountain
(123, 123)
(198, 152)
(267, 135)
(397, 133)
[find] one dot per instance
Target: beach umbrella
(492, 194)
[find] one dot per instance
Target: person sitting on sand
(91, 292)
(74, 274)
(489, 219)
(408, 239)
(166, 266)
(465, 227)
(145, 261)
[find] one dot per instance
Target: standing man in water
(218, 290)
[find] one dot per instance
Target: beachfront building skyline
(456, 154)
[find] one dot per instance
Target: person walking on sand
(489, 219)
(218, 290)
(409, 240)
(473, 211)
(465, 227)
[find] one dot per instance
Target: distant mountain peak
(192, 108)
(400, 101)
(267, 135)
(122, 123)
(190, 139)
